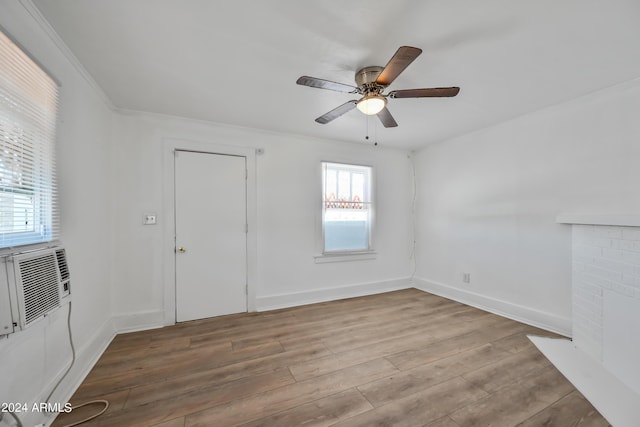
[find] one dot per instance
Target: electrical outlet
(466, 277)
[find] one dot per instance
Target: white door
(211, 239)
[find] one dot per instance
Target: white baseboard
(139, 321)
(537, 318)
(273, 302)
(86, 357)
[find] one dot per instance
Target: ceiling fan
(372, 81)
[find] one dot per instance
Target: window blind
(28, 191)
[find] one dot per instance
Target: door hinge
(246, 228)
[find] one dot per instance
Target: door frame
(170, 145)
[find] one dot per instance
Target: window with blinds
(28, 106)
(346, 208)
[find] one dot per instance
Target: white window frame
(28, 114)
(356, 254)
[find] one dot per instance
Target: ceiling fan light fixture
(372, 104)
(371, 82)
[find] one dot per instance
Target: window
(28, 106)
(346, 208)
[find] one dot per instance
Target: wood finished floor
(403, 358)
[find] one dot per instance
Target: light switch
(149, 218)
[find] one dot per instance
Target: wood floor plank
(506, 371)
(404, 345)
(159, 369)
(419, 408)
(258, 406)
(517, 402)
(573, 410)
(114, 354)
(218, 392)
(442, 422)
(176, 422)
(325, 365)
(402, 325)
(221, 375)
(319, 413)
(346, 322)
(137, 361)
(437, 349)
(456, 338)
(515, 343)
(366, 336)
(331, 326)
(224, 327)
(194, 401)
(404, 383)
(400, 358)
(361, 304)
(116, 401)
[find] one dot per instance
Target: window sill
(345, 257)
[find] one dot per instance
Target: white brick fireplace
(606, 297)
(603, 358)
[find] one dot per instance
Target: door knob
(181, 249)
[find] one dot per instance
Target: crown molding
(35, 13)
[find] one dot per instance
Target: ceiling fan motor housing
(368, 75)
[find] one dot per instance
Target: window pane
(344, 190)
(331, 187)
(16, 212)
(346, 212)
(357, 189)
(346, 230)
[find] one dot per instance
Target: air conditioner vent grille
(62, 265)
(40, 286)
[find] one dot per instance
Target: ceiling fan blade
(326, 84)
(434, 92)
(386, 118)
(337, 112)
(396, 65)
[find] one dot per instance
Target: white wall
(288, 212)
(31, 361)
(111, 172)
(486, 205)
(487, 202)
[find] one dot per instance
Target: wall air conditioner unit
(37, 284)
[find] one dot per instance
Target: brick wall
(606, 266)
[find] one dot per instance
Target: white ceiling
(236, 61)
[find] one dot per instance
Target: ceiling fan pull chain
(367, 128)
(375, 134)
